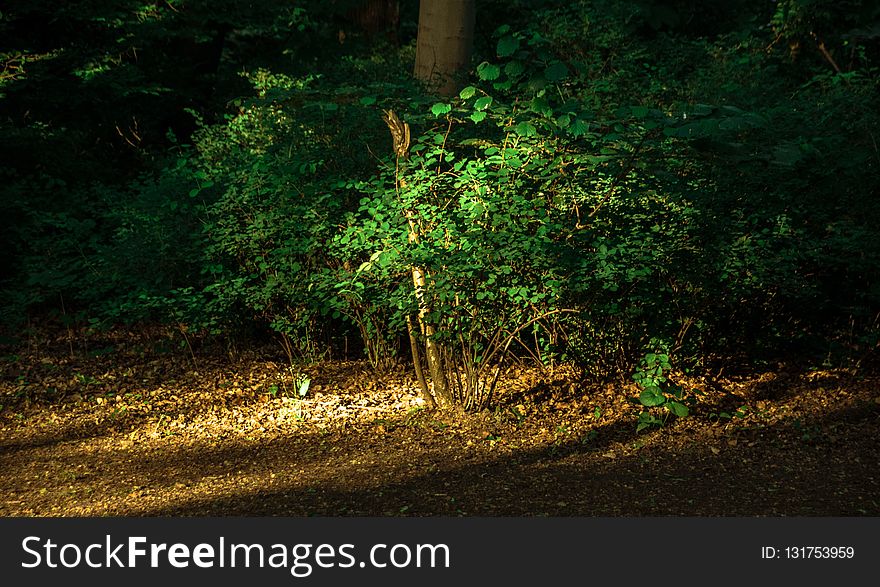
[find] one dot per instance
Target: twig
(182, 329)
(825, 53)
(443, 146)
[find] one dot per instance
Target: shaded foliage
(619, 178)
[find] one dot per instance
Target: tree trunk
(446, 37)
(433, 351)
(375, 18)
(417, 365)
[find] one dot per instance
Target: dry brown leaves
(135, 431)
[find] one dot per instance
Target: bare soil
(132, 429)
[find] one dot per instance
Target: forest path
(144, 436)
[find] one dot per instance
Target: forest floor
(132, 429)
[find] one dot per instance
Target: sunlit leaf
(483, 103)
(487, 71)
(525, 129)
(440, 109)
(304, 384)
(652, 396)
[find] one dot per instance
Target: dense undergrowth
(696, 181)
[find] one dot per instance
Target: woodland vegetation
(558, 230)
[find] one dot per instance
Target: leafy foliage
(656, 392)
(610, 179)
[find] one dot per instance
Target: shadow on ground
(820, 458)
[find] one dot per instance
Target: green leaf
(787, 155)
(691, 130)
(563, 121)
(702, 110)
(514, 68)
(507, 46)
(440, 108)
(487, 71)
(639, 111)
(754, 120)
(483, 103)
(537, 83)
(467, 92)
(652, 396)
(732, 124)
(478, 116)
(540, 105)
(525, 129)
(368, 100)
(678, 409)
(304, 384)
(646, 420)
(556, 71)
(579, 127)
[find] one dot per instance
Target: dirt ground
(129, 429)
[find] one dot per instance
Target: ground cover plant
(321, 257)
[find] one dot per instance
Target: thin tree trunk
(434, 351)
(417, 365)
(400, 136)
(445, 42)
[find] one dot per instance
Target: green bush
(609, 179)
